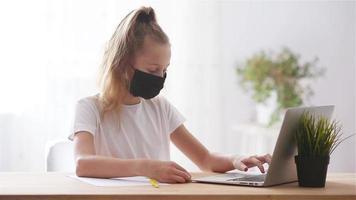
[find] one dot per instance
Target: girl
(125, 130)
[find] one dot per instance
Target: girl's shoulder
(93, 99)
(90, 102)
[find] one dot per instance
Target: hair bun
(146, 15)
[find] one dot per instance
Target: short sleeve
(85, 118)
(173, 116)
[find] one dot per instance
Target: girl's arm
(90, 165)
(207, 161)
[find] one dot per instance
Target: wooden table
(58, 186)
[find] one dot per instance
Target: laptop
(282, 168)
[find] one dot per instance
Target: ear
(129, 71)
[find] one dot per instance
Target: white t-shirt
(143, 132)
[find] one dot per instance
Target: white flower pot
(265, 110)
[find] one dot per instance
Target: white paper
(122, 181)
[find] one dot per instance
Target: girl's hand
(243, 163)
(166, 171)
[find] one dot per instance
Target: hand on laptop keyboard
(243, 163)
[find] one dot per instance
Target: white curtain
(50, 53)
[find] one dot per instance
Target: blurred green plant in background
(281, 73)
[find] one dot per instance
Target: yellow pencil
(154, 183)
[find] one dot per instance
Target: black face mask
(146, 85)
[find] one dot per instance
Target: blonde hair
(128, 38)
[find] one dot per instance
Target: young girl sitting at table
(126, 129)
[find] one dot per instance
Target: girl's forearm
(106, 167)
(219, 163)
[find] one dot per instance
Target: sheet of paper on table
(112, 182)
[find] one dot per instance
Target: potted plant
(317, 138)
(276, 82)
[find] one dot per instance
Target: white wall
(322, 29)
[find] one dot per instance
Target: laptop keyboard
(251, 178)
